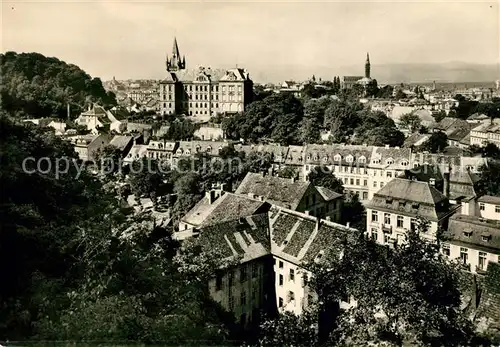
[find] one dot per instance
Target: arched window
(389, 161)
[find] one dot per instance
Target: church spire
(367, 66)
(175, 63)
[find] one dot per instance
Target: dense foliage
(35, 85)
(285, 119)
(74, 265)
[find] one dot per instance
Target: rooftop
(481, 233)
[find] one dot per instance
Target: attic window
(415, 206)
(315, 157)
(308, 157)
(325, 158)
(404, 163)
(389, 161)
(209, 149)
(468, 233)
(388, 201)
(402, 204)
(485, 237)
(337, 158)
(362, 160)
(376, 161)
(349, 159)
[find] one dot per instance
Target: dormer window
(209, 149)
(404, 163)
(325, 158)
(376, 161)
(362, 159)
(389, 161)
(315, 157)
(349, 159)
(415, 206)
(338, 157)
(188, 151)
(388, 201)
(468, 233)
(485, 237)
(308, 157)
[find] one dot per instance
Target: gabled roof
(481, 234)
(300, 238)
(96, 110)
(245, 237)
(276, 190)
(121, 141)
(226, 207)
(415, 191)
(415, 139)
(328, 194)
(459, 134)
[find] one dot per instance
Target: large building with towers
(202, 92)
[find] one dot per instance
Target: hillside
(40, 86)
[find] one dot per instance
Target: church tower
(175, 63)
(367, 66)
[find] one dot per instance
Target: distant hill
(453, 72)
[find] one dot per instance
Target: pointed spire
(175, 49)
(367, 57)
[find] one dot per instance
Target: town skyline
(299, 37)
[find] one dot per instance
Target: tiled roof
(424, 115)
(445, 123)
(136, 152)
(412, 198)
(325, 154)
(278, 191)
(476, 232)
(415, 139)
(295, 155)
(489, 199)
(459, 134)
(489, 305)
(246, 237)
(328, 194)
(300, 238)
(121, 141)
(162, 145)
(226, 207)
(96, 110)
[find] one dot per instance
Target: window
(291, 296)
(365, 183)
(374, 184)
(482, 260)
(243, 274)
(243, 298)
(292, 275)
(381, 184)
(218, 282)
(464, 255)
(497, 209)
(413, 225)
(374, 234)
(255, 270)
(365, 196)
(374, 216)
(387, 218)
(468, 233)
(446, 249)
(481, 206)
(485, 237)
(400, 221)
(357, 181)
(254, 292)
(280, 302)
(352, 181)
(281, 280)
(389, 174)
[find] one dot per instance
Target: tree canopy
(39, 86)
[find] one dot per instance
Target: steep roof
(276, 190)
(246, 237)
(328, 194)
(415, 139)
(474, 231)
(459, 134)
(121, 141)
(226, 207)
(300, 238)
(412, 198)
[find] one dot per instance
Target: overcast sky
(130, 39)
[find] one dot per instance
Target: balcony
(386, 228)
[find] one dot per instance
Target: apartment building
(298, 239)
(395, 209)
(292, 194)
(473, 235)
(484, 133)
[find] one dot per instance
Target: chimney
(306, 212)
(292, 179)
(386, 146)
(446, 183)
(348, 224)
(210, 196)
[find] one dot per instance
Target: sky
(130, 39)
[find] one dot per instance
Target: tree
(353, 211)
(289, 330)
(147, 177)
(488, 179)
(287, 172)
(314, 116)
(108, 160)
(411, 122)
(385, 92)
(372, 88)
(400, 95)
(491, 151)
(322, 176)
(437, 142)
(439, 116)
(35, 85)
